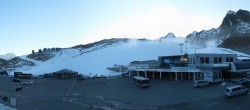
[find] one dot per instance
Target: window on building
(207, 60)
(229, 59)
(220, 59)
(217, 60)
(202, 60)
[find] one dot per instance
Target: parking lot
(44, 94)
(117, 93)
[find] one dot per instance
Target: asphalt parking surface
(44, 94)
(118, 93)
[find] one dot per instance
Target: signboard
(208, 75)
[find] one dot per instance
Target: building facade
(210, 67)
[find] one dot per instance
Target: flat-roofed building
(211, 67)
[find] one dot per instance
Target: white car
(236, 90)
(200, 83)
(28, 82)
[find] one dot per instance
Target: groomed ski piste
(95, 62)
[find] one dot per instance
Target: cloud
(155, 23)
(211, 43)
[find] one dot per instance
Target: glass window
(216, 60)
(202, 60)
(229, 59)
(219, 59)
(207, 60)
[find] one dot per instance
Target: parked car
(248, 79)
(81, 78)
(235, 80)
(200, 83)
(11, 76)
(28, 82)
(242, 81)
(125, 74)
(236, 90)
(16, 80)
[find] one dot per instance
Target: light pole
(186, 45)
(181, 44)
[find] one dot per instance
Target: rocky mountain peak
(234, 18)
(244, 15)
(170, 35)
(233, 33)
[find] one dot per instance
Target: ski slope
(96, 62)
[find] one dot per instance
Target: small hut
(65, 74)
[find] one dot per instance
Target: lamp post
(181, 44)
(186, 45)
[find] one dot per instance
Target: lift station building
(210, 67)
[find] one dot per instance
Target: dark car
(80, 78)
(242, 81)
(16, 80)
(125, 74)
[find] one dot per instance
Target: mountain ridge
(234, 25)
(8, 56)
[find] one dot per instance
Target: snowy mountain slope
(7, 56)
(2, 62)
(97, 61)
(16, 62)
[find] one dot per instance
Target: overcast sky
(27, 25)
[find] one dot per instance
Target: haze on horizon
(36, 24)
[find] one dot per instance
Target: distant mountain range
(8, 56)
(4, 59)
(233, 33)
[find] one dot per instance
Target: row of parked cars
(231, 91)
(27, 82)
